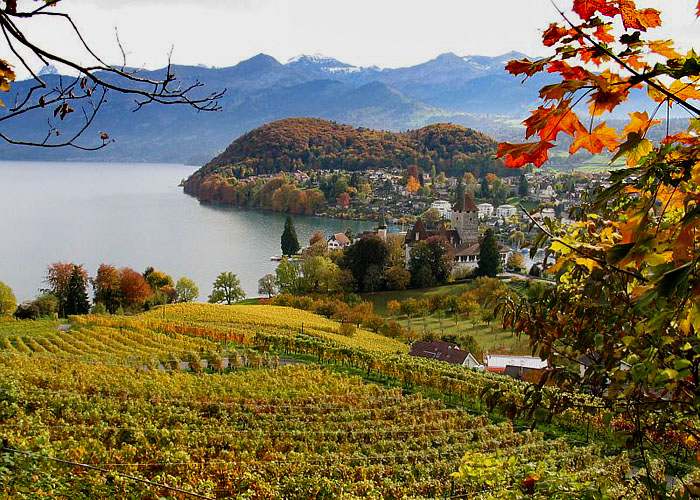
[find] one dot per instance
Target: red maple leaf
(587, 8)
(518, 155)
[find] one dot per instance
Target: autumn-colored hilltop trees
(627, 301)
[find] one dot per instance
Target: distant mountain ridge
(474, 91)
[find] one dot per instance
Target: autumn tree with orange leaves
(626, 306)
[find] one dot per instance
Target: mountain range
(474, 91)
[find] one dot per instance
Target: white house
(544, 213)
(499, 362)
(338, 241)
(485, 210)
(444, 207)
(505, 211)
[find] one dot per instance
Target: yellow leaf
(685, 90)
(589, 264)
(664, 48)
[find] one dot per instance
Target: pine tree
(77, 301)
(524, 188)
(489, 258)
(290, 242)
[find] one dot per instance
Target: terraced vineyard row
(294, 432)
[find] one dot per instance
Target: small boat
(276, 258)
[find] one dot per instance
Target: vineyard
(295, 432)
(102, 408)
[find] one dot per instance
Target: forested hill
(309, 144)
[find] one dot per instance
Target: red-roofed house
(338, 241)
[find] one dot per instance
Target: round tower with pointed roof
(465, 219)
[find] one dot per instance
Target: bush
(98, 308)
(347, 329)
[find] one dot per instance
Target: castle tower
(465, 219)
(381, 227)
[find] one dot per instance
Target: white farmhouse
(338, 241)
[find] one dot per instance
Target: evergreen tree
(77, 301)
(524, 188)
(485, 188)
(290, 242)
(489, 259)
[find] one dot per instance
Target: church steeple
(381, 227)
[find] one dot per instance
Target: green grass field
(490, 337)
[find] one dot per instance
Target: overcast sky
(386, 33)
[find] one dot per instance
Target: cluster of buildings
(518, 367)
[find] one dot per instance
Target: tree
(628, 270)
(394, 307)
(77, 301)
(398, 278)
(430, 262)
(267, 285)
(485, 188)
(134, 289)
(344, 200)
(516, 261)
(58, 277)
(317, 238)
(489, 258)
(290, 243)
(412, 185)
(226, 288)
(157, 279)
(366, 252)
(85, 91)
(187, 290)
(287, 276)
(107, 287)
(523, 187)
(8, 302)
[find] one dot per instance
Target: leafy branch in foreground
(624, 317)
(87, 90)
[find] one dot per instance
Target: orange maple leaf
(518, 155)
(568, 72)
(553, 34)
(602, 137)
(525, 66)
(639, 123)
(602, 33)
(635, 19)
(549, 121)
(557, 91)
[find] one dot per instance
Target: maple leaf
(663, 48)
(553, 34)
(518, 155)
(602, 33)
(602, 137)
(632, 18)
(634, 149)
(639, 123)
(602, 101)
(548, 122)
(557, 91)
(697, 12)
(685, 91)
(587, 8)
(525, 66)
(568, 72)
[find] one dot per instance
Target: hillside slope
(310, 144)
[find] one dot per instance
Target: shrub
(347, 329)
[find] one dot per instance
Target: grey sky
(387, 33)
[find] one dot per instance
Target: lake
(133, 215)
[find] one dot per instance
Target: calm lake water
(132, 215)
